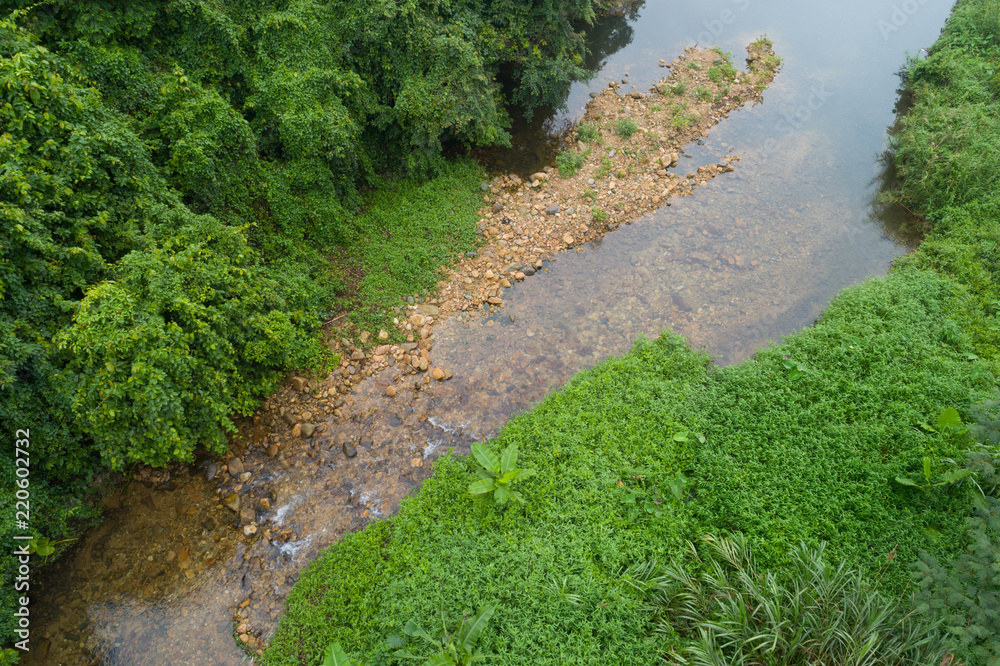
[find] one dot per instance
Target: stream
(168, 579)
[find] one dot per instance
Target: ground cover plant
(801, 445)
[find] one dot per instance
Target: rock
(528, 270)
(552, 210)
(383, 335)
(232, 502)
(428, 310)
(289, 418)
(271, 451)
(211, 471)
(635, 94)
(593, 95)
(235, 466)
(540, 176)
(497, 207)
(365, 336)
(682, 301)
(300, 383)
(308, 429)
(249, 530)
(208, 524)
(357, 355)
(349, 450)
(713, 229)
(567, 239)
(512, 267)
(390, 392)
(701, 257)
(365, 441)
(448, 374)
(245, 476)
(438, 374)
(264, 503)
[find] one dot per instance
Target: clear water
(160, 582)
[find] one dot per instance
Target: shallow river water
(168, 578)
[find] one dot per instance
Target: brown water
(752, 256)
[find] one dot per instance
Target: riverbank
(804, 442)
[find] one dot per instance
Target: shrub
(587, 132)
(810, 612)
(569, 162)
(626, 127)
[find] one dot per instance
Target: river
(167, 579)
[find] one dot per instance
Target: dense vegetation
(176, 178)
(854, 433)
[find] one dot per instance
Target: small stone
(232, 502)
(365, 336)
(512, 267)
(245, 476)
(308, 429)
(416, 462)
(528, 270)
(383, 335)
(211, 471)
(438, 374)
(271, 451)
(349, 450)
(265, 503)
(552, 210)
(567, 239)
(235, 466)
(682, 301)
(428, 310)
(390, 392)
(249, 530)
(300, 383)
(297, 430)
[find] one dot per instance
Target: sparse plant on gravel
(626, 127)
(456, 648)
(586, 132)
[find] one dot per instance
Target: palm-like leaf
(508, 461)
(486, 458)
(470, 630)
(482, 486)
(335, 656)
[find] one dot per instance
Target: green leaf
(954, 475)
(927, 469)
(950, 418)
(486, 458)
(413, 628)
(907, 481)
(501, 495)
(471, 630)
(440, 659)
(335, 656)
(509, 459)
(681, 436)
(482, 486)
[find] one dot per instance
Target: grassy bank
(824, 438)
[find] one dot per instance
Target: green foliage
(407, 232)
(497, 475)
(190, 332)
(702, 93)
(679, 89)
(335, 656)
(625, 127)
(456, 648)
(733, 611)
(569, 162)
(965, 593)
(587, 132)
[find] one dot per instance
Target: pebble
(567, 239)
(552, 210)
(235, 466)
(349, 450)
(211, 471)
(232, 502)
(390, 392)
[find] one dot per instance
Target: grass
(679, 89)
(406, 233)
(801, 444)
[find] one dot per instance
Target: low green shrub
(587, 132)
(569, 162)
(626, 127)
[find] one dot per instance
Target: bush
(569, 162)
(191, 332)
(626, 127)
(587, 132)
(731, 611)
